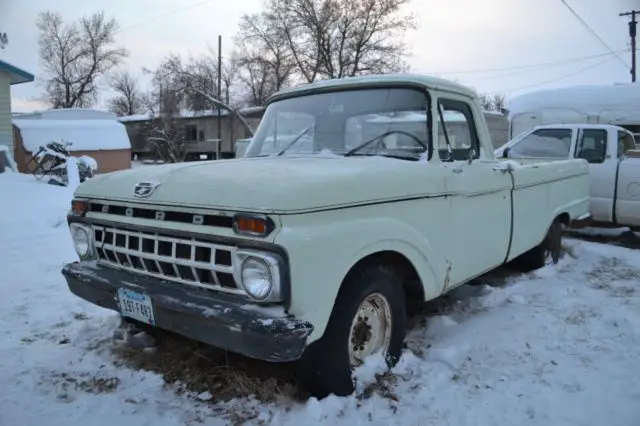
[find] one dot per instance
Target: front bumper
(216, 319)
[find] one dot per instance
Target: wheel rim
(370, 329)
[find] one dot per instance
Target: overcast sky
(458, 39)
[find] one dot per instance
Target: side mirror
(505, 153)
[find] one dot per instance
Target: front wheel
(369, 317)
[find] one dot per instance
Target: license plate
(136, 305)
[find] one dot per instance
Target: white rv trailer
(615, 104)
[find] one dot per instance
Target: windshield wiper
(390, 132)
(390, 155)
(298, 136)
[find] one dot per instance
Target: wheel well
(411, 284)
(565, 219)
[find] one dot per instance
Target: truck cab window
(456, 129)
(626, 142)
(398, 127)
(592, 145)
(394, 119)
(543, 143)
(284, 128)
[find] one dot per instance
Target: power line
(582, 21)
(174, 12)
(538, 65)
(541, 83)
(528, 70)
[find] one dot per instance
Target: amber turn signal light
(79, 207)
(252, 225)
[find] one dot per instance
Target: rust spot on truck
(447, 278)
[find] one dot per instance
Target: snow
(616, 104)
(89, 162)
(602, 232)
(509, 164)
(8, 162)
(559, 346)
(68, 114)
(191, 114)
(84, 134)
(72, 173)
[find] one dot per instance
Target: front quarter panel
(324, 246)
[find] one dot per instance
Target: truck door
(594, 146)
(626, 210)
(480, 205)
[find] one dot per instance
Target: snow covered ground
(560, 346)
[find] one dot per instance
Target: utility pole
(219, 111)
(633, 25)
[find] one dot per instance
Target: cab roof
(428, 81)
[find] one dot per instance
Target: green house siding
(6, 130)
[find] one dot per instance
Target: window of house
(543, 143)
(592, 145)
(626, 142)
(456, 130)
(201, 135)
(190, 133)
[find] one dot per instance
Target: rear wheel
(546, 253)
(369, 317)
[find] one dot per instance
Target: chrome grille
(188, 261)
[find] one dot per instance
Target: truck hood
(270, 185)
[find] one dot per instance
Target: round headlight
(256, 278)
(81, 241)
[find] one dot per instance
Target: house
(9, 75)
(199, 131)
(97, 134)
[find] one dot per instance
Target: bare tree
(164, 132)
(167, 139)
(264, 60)
(199, 74)
(75, 56)
(498, 101)
(129, 100)
(4, 40)
(335, 38)
(486, 102)
(257, 79)
(194, 87)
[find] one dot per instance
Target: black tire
(547, 252)
(325, 367)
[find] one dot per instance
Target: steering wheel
(402, 132)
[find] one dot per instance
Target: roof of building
(16, 74)
(85, 134)
(186, 114)
(617, 103)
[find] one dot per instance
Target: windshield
(543, 143)
(389, 121)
